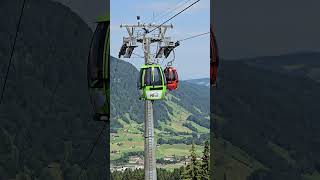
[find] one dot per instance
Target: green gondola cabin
(98, 70)
(152, 82)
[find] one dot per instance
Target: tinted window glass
(140, 79)
(95, 68)
(148, 77)
(157, 77)
(170, 75)
(175, 75)
(167, 75)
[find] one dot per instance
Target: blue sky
(192, 56)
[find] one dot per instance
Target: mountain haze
(271, 114)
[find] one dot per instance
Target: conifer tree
(205, 165)
(192, 170)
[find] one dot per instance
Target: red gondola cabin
(214, 62)
(171, 78)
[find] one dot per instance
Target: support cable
(12, 52)
(171, 17)
(174, 15)
(191, 37)
(169, 11)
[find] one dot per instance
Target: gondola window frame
(96, 79)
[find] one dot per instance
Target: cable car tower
(141, 33)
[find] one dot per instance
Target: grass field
(314, 176)
(176, 149)
(232, 162)
(130, 138)
(125, 141)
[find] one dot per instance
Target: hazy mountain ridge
(299, 64)
(88, 10)
(200, 81)
(270, 115)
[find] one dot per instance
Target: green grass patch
(176, 149)
(314, 176)
(199, 128)
(292, 67)
(282, 152)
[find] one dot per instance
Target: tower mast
(129, 44)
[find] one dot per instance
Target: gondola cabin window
(98, 71)
(96, 57)
(157, 81)
(148, 77)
